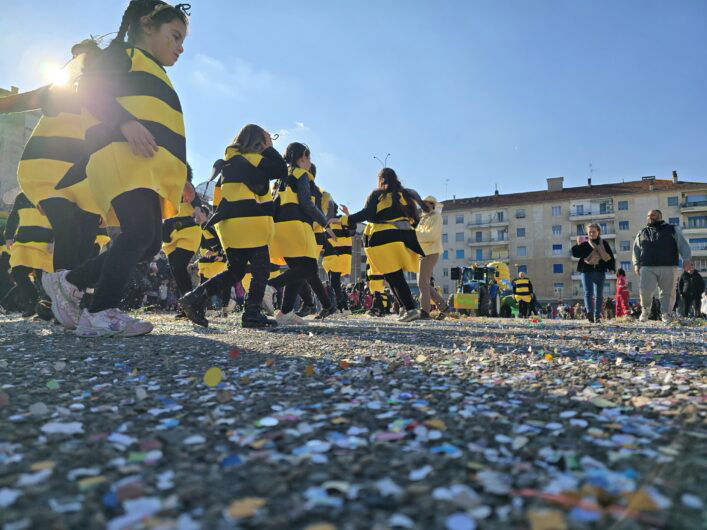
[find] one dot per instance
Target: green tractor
(483, 291)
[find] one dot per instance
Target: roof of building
(580, 192)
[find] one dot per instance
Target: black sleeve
(99, 84)
(530, 286)
(304, 196)
(196, 202)
(582, 250)
(681, 283)
(273, 164)
(611, 264)
(368, 213)
(13, 220)
(700, 283)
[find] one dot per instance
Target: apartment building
(534, 231)
(15, 130)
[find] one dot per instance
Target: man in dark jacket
(691, 287)
(656, 252)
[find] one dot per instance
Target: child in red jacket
(622, 308)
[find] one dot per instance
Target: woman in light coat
(429, 235)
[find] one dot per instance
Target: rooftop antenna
(383, 163)
(446, 187)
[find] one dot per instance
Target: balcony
(573, 237)
(578, 276)
(694, 230)
(582, 214)
(698, 249)
(693, 206)
(489, 220)
(487, 241)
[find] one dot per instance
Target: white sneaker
(109, 323)
(346, 312)
(667, 318)
(409, 316)
(65, 298)
(643, 317)
(268, 300)
(289, 319)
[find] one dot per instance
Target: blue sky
(488, 93)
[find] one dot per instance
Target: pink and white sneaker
(65, 298)
(111, 323)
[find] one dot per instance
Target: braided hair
(388, 182)
(159, 13)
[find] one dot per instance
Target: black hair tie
(184, 8)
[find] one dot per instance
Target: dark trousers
(26, 291)
(691, 300)
(5, 281)
(300, 270)
(400, 289)
(224, 296)
(523, 309)
(140, 216)
(179, 260)
(335, 282)
(74, 232)
(238, 260)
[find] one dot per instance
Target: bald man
(656, 253)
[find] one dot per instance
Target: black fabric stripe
(320, 237)
(243, 208)
(100, 136)
(146, 84)
(211, 259)
(54, 148)
(373, 277)
(178, 223)
(290, 212)
(336, 251)
(74, 174)
(34, 234)
(407, 237)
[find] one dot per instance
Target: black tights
(26, 291)
(74, 232)
(401, 289)
(300, 270)
(179, 260)
(140, 216)
(238, 260)
(335, 281)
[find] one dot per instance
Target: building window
(697, 221)
(623, 225)
(558, 268)
(556, 211)
(477, 218)
(445, 272)
(445, 221)
(557, 250)
(479, 254)
(520, 232)
(521, 251)
(445, 254)
(558, 287)
(580, 229)
(625, 246)
(459, 236)
(675, 221)
(626, 266)
(445, 238)
(459, 253)
(520, 213)
(623, 205)
(556, 230)
(672, 201)
(604, 228)
(445, 289)
(522, 268)
(479, 237)
(459, 219)
(698, 243)
(499, 216)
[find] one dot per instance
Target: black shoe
(443, 314)
(44, 310)
(326, 312)
(424, 315)
(193, 304)
(180, 316)
(306, 310)
(255, 319)
(590, 318)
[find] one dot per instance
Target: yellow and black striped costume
(376, 281)
(210, 266)
(275, 271)
(522, 291)
(244, 211)
(32, 235)
(321, 199)
(294, 234)
(337, 253)
(143, 91)
(388, 239)
(179, 230)
(56, 149)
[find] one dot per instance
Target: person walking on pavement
(523, 293)
(595, 259)
(691, 287)
(622, 307)
(657, 249)
(429, 235)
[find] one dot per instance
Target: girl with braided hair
(136, 164)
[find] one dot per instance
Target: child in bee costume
(135, 141)
(212, 260)
(390, 241)
(294, 240)
(181, 236)
(29, 236)
(5, 281)
(337, 260)
(243, 221)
